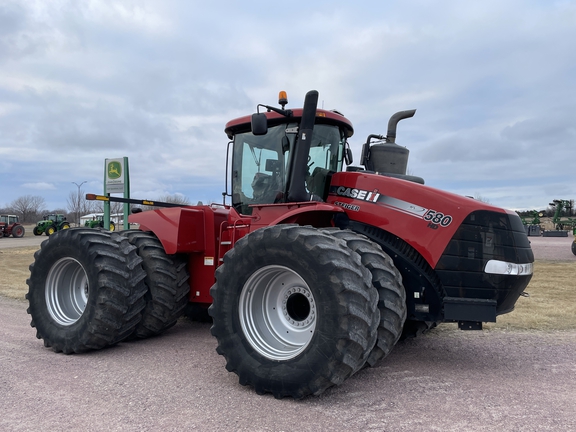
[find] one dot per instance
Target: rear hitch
(469, 325)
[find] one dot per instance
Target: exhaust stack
(387, 157)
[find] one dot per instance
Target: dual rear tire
(89, 289)
(86, 290)
(166, 282)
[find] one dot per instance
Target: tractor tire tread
(117, 288)
(388, 283)
(167, 282)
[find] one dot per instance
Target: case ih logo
(434, 218)
(359, 194)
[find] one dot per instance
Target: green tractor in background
(559, 221)
(50, 224)
(98, 222)
(563, 223)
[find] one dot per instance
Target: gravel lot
(553, 248)
(448, 380)
(26, 241)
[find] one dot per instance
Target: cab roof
(242, 124)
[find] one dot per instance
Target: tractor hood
(419, 214)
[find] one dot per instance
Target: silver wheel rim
(66, 291)
(277, 312)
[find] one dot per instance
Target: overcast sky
(494, 83)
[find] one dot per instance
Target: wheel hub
(296, 306)
(277, 312)
(66, 291)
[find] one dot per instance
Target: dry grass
(551, 305)
(14, 271)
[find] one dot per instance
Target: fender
(184, 229)
(317, 214)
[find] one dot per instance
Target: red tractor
(309, 275)
(10, 226)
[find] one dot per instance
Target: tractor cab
(57, 218)
(9, 219)
(277, 158)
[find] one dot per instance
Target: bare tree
(60, 211)
(549, 211)
(78, 205)
(28, 207)
(74, 203)
(98, 207)
(174, 199)
(479, 197)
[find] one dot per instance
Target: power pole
(78, 202)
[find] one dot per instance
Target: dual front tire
(296, 310)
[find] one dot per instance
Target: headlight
(506, 268)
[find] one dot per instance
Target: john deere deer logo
(114, 170)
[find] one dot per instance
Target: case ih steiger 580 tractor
(309, 275)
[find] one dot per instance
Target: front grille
(485, 235)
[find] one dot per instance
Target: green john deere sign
(116, 180)
(115, 175)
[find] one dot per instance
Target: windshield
(261, 163)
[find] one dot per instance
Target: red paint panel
(424, 217)
(179, 229)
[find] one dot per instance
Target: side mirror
(135, 210)
(348, 158)
(259, 124)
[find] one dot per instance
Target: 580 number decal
(437, 218)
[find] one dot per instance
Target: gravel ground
(447, 380)
(26, 241)
(553, 248)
